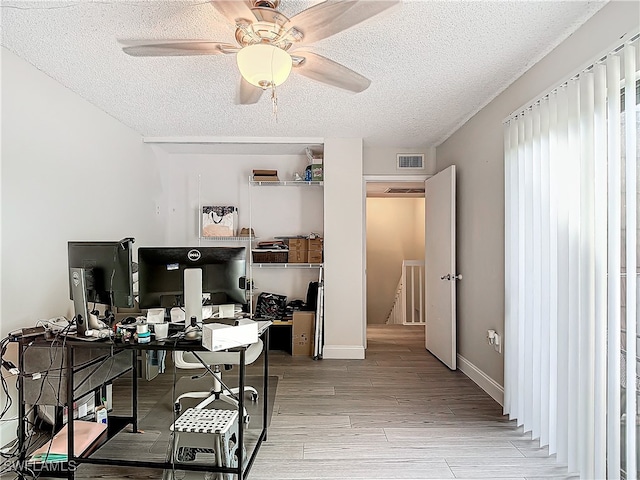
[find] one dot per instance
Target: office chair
(188, 361)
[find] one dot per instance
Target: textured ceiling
(432, 66)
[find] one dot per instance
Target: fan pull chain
(274, 102)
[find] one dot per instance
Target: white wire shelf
(286, 265)
(287, 183)
(229, 239)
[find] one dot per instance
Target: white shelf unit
(286, 183)
(287, 265)
(255, 224)
(228, 239)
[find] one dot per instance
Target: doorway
(394, 231)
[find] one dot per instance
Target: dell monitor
(181, 276)
(99, 273)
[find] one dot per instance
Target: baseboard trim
(343, 352)
(484, 381)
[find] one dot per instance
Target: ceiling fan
(268, 41)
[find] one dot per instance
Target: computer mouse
(129, 321)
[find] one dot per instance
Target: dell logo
(194, 255)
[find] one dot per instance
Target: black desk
(74, 371)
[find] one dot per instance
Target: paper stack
(87, 435)
(265, 176)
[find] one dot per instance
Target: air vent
(410, 161)
(404, 191)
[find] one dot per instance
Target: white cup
(161, 330)
(227, 311)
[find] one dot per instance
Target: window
(571, 239)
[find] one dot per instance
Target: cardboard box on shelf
(315, 250)
(297, 256)
(303, 333)
(314, 256)
(315, 243)
(266, 178)
(298, 244)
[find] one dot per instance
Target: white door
(440, 265)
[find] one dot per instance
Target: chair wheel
(246, 419)
(177, 407)
(254, 397)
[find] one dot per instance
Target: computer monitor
(100, 273)
(161, 275)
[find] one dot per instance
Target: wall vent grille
(410, 161)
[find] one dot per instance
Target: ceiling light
(264, 65)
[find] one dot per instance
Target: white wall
(477, 151)
(395, 232)
(69, 172)
(344, 244)
(383, 161)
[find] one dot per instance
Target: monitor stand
(192, 294)
(79, 291)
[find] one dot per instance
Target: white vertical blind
(631, 230)
(545, 252)
(586, 345)
(600, 272)
(571, 240)
(614, 247)
(552, 265)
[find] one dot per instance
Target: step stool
(206, 431)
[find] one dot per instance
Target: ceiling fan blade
(248, 94)
(332, 16)
(168, 48)
(321, 69)
(234, 9)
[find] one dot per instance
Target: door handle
(448, 276)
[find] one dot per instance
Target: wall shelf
(286, 210)
(286, 183)
(287, 265)
(229, 239)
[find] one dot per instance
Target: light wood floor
(399, 414)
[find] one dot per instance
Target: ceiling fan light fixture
(264, 65)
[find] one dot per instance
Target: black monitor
(99, 273)
(161, 275)
(108, 271)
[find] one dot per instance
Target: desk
(74, 371)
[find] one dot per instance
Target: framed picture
(219, 221)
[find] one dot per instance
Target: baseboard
(343, 352)
(484, 381)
